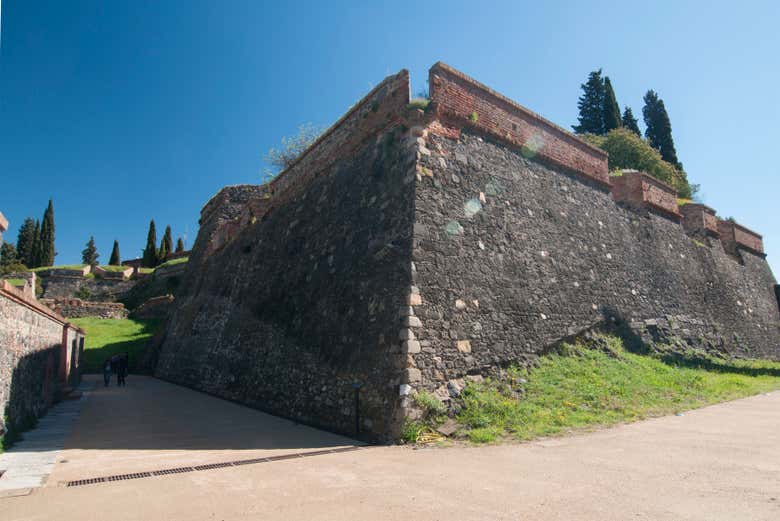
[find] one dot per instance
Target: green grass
(173, 262)
(146, 270)
(109, 267)
(16, 282)
(109, 336)
(581, 387)
(60, 267)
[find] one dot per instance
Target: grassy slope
(60, 267)
(106, 337)
(588, 387)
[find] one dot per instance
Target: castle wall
(512, 256)
(37, 357)
(301, 305)
(409, 249)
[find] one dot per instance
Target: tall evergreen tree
(166, 245)
(115, 259)
(149, 259)
(47, 236)
(630, 122)
(179, 245)
(659, 128)
(591, 105)
(24, 241)
(35, 253)
(90, 255)
(611, 112)
(8, 254)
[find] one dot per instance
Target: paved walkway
(28, 463)
(716, 463)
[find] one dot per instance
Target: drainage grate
(136, 475)
(213, 466)
(209, 466)
(89, 481)
(250, 461)
(179, 470)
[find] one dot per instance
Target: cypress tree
(90, 255)
(591, 105)
(611, 112)
(149, 259)
(35, 252)
(166, 245)
(659, 128)
(115, 259)
(179, 245)
(630, 122)
(24, 241)
(8, 254)
(47, 236)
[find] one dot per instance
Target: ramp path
(717, 463)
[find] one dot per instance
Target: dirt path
(717, 463)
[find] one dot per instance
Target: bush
(292, 147)
(627, 150)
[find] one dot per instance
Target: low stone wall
(77, 308)
(65, 287)
(40, 356)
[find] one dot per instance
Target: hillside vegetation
(109, 336)
(583, 386)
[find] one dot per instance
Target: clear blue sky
(123, 111)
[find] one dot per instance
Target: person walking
(121, 371)
(107, 371)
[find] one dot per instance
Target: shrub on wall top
(627, 150)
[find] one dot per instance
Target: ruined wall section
(512, 256)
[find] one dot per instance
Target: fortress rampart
(410, 249)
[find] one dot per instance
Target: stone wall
(408, 250)
(77, 308)
(303, 304)
(512, 256)
(40, 356)
(66, 286)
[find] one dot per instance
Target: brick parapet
(643, 190)
(458, 103)
(699, 219)
(463, 101)
(735, 236)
